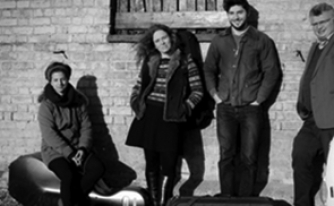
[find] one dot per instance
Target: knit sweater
(183, 87)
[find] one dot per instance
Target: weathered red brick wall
(31, 30)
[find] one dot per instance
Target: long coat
(63, 129)
(180, 88)
(322, 87)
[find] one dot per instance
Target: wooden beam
(140, 5)
(210, 5)
(191, 5)
(119, 38)
(182, 5)
(137, 6)
(134, 38)
(123, 5)
(187, 5)
(113, 10)
(169, 5)
(187, 19)
(132, 6)
(157, 5)
(148, 5)
(201, 5)
(220, 5)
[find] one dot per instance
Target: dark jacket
(242, 76)
(322, 87)
(62, 127)
(177, 93)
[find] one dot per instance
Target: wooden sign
(132, 17)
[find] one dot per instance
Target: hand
(217, 99)
(188, 106)
(79, 157)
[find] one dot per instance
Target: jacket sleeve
(136, 90)
(85, 139)
(211, 70)
(49, 131)
(195, 84)
(269, 62)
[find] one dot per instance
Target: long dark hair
(145, 46)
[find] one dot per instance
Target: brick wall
(30, 32)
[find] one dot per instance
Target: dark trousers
(163, 163)
(74, 186)
(310, 149)
(238, 132)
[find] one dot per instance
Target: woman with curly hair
(167, 90)
(67, 137)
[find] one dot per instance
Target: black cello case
(31, 183)
(220, 201)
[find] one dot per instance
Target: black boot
(152, 179)
(167, 186)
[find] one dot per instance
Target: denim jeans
(238, 132)
(310, 149)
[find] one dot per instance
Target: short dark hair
(318, 9)
(229, 3)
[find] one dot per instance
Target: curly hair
(318, 9)
(145, 46)
(229, 3)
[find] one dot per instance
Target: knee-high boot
(152, 179)
(167, 186)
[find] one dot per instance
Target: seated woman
(166, 92)
(67, 137)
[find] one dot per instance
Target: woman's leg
(152, 174)
(168, 164)
(68, 180)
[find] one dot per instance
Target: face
(59, 82)
(323, 25)
(237, 16)
(162, 41)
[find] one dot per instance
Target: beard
(242, 27)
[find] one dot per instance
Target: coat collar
(251, 32)
(326, 49)
(174, 63)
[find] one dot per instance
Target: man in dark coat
(241, 70)
(316, 107)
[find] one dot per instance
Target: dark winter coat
(64, 128)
